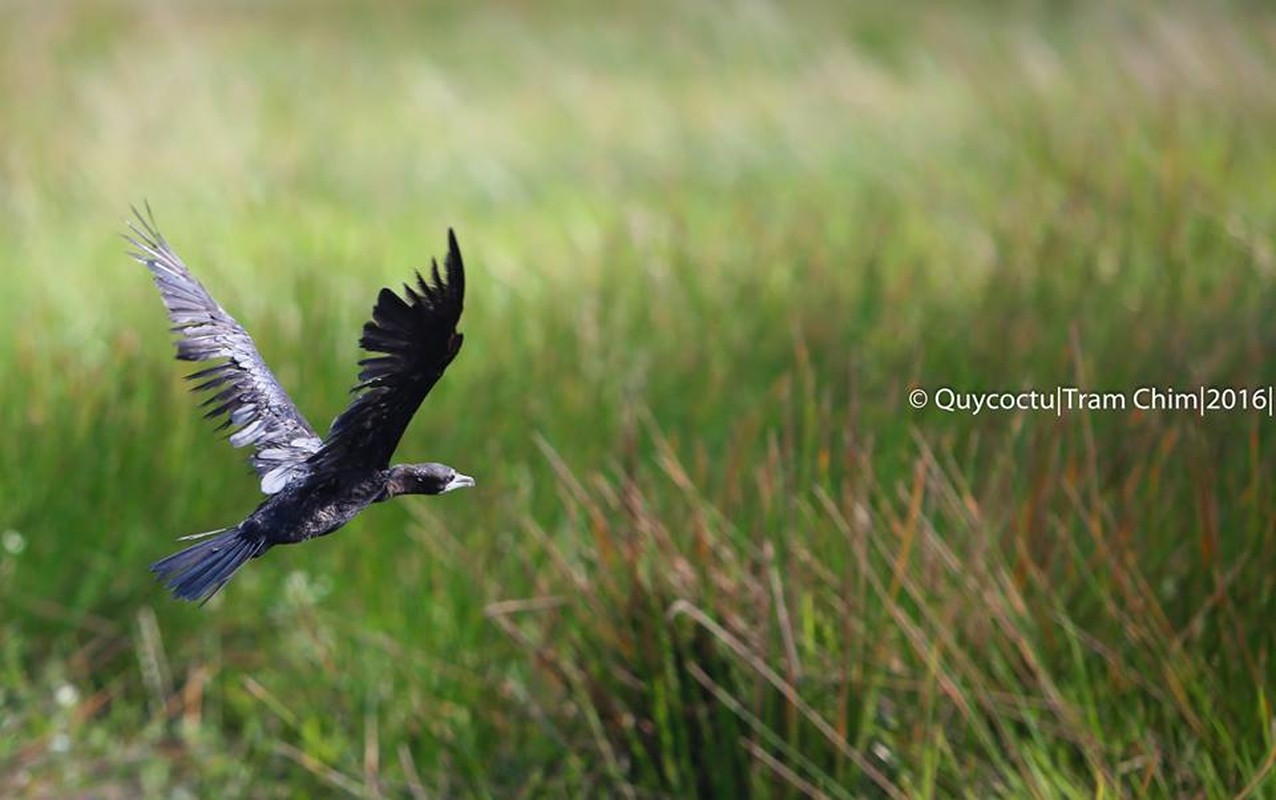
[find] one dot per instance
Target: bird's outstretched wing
(416, 338)
(246, 394)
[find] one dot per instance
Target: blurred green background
(711, 247)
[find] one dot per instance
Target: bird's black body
(316, 506)
(314, 485)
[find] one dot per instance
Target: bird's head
(425, 479)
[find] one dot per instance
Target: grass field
(713, 552)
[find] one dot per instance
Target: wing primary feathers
(249, 398)
(413, 339)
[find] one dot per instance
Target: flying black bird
(314, 485)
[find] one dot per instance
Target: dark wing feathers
(246, 395)
(414, 338)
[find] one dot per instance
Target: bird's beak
(458, 481)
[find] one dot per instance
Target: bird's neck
(398, 480)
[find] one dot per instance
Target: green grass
(712, 553)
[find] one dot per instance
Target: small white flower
(66, 695)
(883, 753)
(60, 743)
(13, 542)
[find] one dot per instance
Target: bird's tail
(196, 573)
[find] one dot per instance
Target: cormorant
(314, 485)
